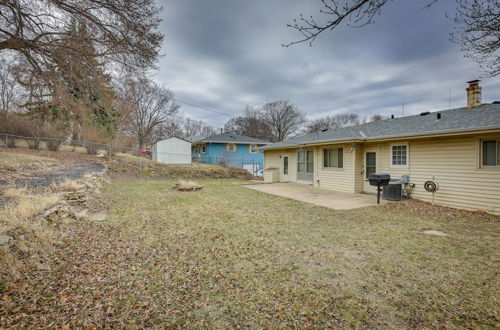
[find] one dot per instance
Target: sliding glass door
(305, 165)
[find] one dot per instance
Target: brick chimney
(474, 98)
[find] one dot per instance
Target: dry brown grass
(16, 161)
(230, 257)
(25, 205)
(9, 265)
(32, 236)
(269, 262)
(19, 215)
(68, 185)
(13, 193)
(145, 168)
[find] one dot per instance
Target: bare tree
(124, 32)
(191, 127)
(180, 126)
(8, 87)
(332, 122)
(149, 105)
(376, 117)
(283, 118)
(252, 123)
(478, 32)
(171, 127)
(478, 24)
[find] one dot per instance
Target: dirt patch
(46, 179)
(428, 210)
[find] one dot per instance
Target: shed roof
(486, 116)
(195, 138)
(173, 137)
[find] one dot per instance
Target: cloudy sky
(224, 54)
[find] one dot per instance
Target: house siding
(172, 151)
(274, 159)
(339, 179)
(358, 170)
(453, 162)
(455, 165)
(216, 153)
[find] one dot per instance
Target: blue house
(228, 149)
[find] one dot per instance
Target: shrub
(111, 151)
(92, 148)
(15, 124)
(34, 143)
(53, 144)
(10, 142)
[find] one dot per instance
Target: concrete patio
(322, 197)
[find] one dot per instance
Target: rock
(435, 232)
(82, 214)
(5, 239)
(76, 197)
(60, 213)
(99, 216)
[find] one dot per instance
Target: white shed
(173, 150)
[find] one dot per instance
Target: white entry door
(371, 166)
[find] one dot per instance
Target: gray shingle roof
(232, 138)
(194, 138)
(486, 116)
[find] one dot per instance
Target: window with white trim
(491, 153)
(253, 148)
(399, 155)
(203, 148)
(333, 158)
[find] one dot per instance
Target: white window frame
(407, 155)
(256, 150)
(203, 148)
(481, 153)
(332, 167)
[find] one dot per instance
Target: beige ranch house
(459, 149)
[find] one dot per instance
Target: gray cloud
(225, 54)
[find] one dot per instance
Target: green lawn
(229, 256)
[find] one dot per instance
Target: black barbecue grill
(379, 180)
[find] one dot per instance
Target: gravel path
(71, 172)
